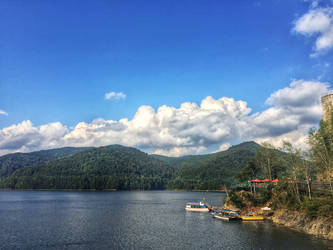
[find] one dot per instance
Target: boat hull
(197, 209)
(221, 217)
(251, 218)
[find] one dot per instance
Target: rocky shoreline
(320, 227)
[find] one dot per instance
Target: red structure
(267, 181)
(264, 181)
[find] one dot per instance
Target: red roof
(257, 181)
(275, 181)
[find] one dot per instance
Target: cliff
(321, 227)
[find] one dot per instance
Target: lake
(131, 220)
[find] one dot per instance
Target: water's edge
(320, 227)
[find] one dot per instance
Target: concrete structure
(327, 105)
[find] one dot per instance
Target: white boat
(221, 217)
(226, 215)
(197, 207)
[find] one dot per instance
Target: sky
(168, 77)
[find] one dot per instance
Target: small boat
(250, 217)
(226, 215)
(197, 207)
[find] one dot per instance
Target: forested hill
(122, 168)
(11, 162)
(210, 172)
(111, 167)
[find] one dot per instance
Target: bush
(311, 207)
(236, 200)
(264, 195)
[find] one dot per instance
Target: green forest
(212, 171)
(11, 162)
(122, 168)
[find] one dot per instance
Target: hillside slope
(210, 172)
(11, 162)
(111, 167)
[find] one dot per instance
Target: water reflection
(131, 220)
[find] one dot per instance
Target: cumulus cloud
(114, 96)
(190, 125)
(223, 147)
(179, 151)
(294, 108)
(299, 94)
(297, 137)
(2, 112)
(24, 137)
(190, 128)
(317, 22)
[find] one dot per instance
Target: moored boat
(197, 207)
(226, 215)
(221, 216)
(250, 217)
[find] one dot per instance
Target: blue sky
(59, 58)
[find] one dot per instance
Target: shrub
(236, 200)
(311, 207)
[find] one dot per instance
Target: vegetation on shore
(305, 178)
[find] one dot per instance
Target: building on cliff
(327, 105)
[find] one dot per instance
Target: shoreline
(319, 227)
(107, 189)
(57, 189)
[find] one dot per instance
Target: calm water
(131, 220)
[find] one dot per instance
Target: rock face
(320, 227)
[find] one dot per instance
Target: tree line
(304, 176)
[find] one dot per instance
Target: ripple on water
(131, 220)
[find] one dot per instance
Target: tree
(321, 143)
(267, 159)
(249, 171)
(309, 171)
(294, 167)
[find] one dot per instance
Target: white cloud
(189, 129)
(314, 4)
(319, 22)
(297, 137)
(300, 93)
(2, 112)
(223, 147)
(179, 151)
(24, 137)
(291, 107)
(114, 96)
(168, 129)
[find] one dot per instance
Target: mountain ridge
(11, 162)
(120, 167)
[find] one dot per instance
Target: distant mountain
(211, 171)
(122, 168)
(111, 167)
(11, 162)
